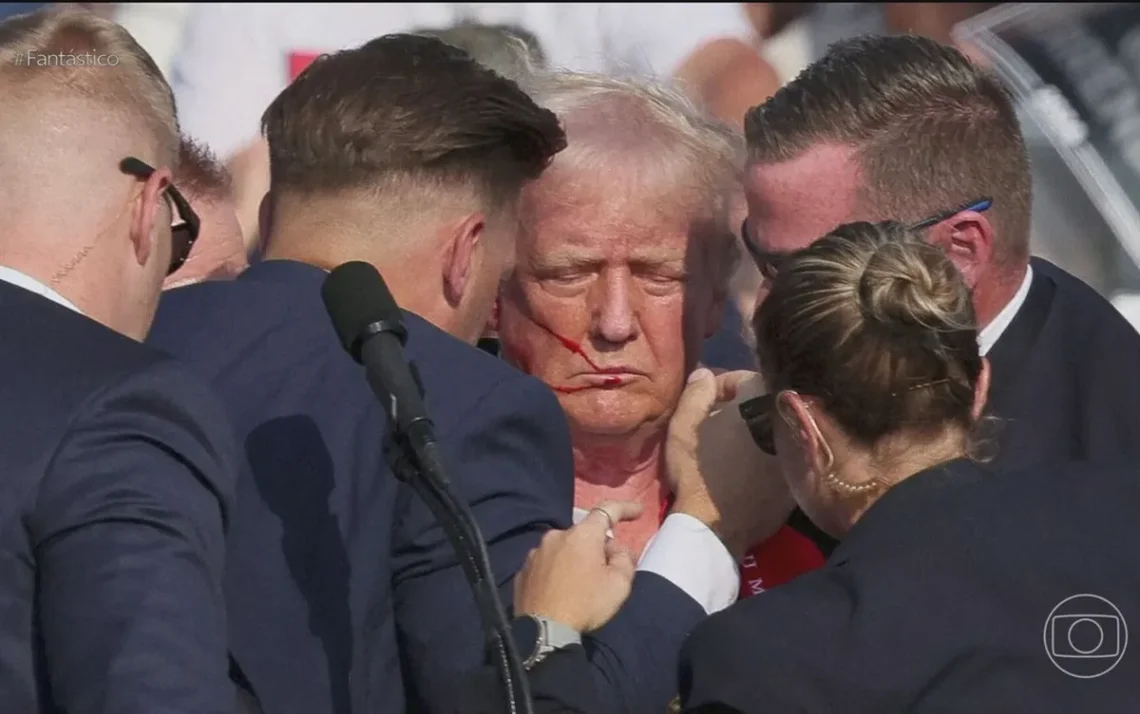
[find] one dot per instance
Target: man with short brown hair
(117, 466)
(342, 589)
(905, 128)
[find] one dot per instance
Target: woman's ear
(795, 412)
(792, 410)
(981, 391)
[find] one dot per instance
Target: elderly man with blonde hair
(117, 466)
(622, 271)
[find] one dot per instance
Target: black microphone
(370, 326)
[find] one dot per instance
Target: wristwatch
(537, 636)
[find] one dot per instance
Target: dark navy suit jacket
(1066, 377)
(727, 349)
(116, 478)
(951, 594)
(342, 590)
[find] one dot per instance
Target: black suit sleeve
(509, 457)
(128, 537)
(563, 683)
(774, 652)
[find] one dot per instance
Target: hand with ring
(579, 577)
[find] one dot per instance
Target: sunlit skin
(219, 251)
(609, 305)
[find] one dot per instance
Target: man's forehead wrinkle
(633, 251)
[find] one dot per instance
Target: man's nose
(614, 316)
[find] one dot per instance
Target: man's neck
(408, 287)
(997, 293)
(622, 468)
(75, 292)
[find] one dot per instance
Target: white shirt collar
(989, 335)
(27, 282)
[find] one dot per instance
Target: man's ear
(981, 391)
(150, 208)
(460, 260)
(968, 239)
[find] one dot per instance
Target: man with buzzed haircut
(116, 465)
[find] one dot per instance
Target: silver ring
(609, 520)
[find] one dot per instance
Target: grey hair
(511, 52)
(607, 118)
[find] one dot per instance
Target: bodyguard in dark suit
(954, 587)
(116, 467)
(904, 128)
(343, 592)
(339, 577)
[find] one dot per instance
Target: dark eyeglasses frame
(757, 412)
(757, 415)
(184, 234)
(769, 263)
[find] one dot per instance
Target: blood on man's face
(606, 304)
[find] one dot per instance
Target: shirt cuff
(686, 553)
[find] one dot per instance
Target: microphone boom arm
(407, 451)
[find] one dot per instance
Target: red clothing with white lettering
(774, 562)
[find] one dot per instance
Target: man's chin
(609, 424)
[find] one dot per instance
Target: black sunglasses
(757, 415)
(183, 234)
(769, 263)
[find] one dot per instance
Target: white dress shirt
(27, 282)
(988, 335)
(689, 555)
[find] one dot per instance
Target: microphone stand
(415, 460)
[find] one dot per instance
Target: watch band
(552, 635)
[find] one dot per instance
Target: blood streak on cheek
(522, 360)
(576, 348)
